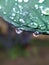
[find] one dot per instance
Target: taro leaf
(28, 15)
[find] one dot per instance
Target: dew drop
(36, 34)
(36, 6)
(11, 17)
(4, 12)
(45, 11)
(13, 14)
(14, 9)
(41, 1)
(18, 31)
(14, 19)
(20, 1)
(0, 7)
(26, 0)
(22, 21)
(15, 3)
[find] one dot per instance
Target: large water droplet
(41, 1)
(18, 31)
(45, 11)
(36, 34)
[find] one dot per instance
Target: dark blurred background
(35, 51)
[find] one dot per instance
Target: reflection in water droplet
(22, 21)
(45, 11)
(41, 1)
(18, 31)
(0, 7)
(26, 0)
(36, 34)
(36, 6)
(19, 0)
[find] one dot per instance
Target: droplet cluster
(26, 14)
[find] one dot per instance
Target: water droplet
(14, 9)
(20, 7)
(36, 6)
(26, 0)
(4, 12)
(0, 7)
(15, 3)
(41, 1)
(41, 7)
(20, 1)
(14, 19)
(11, 17)
(18, 31)
(33, 24)
(22, 21)
(13, 14)
(45, 11)
(36, 34)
